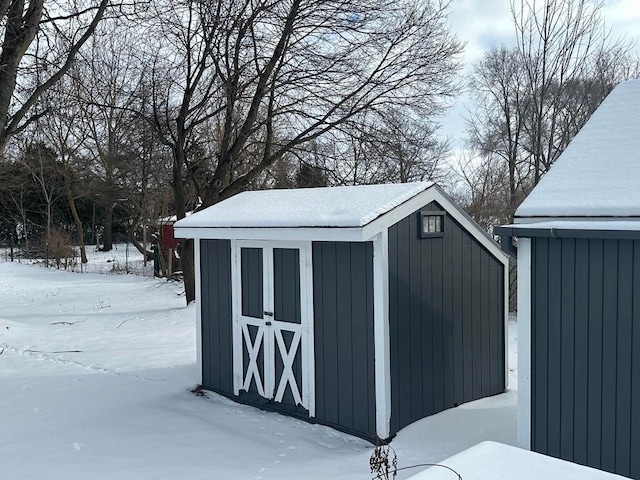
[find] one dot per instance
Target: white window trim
(524, 343)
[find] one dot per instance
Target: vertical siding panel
(427, 384)
(206, 313)
(567, 385)
(540, 332)
(330, 340)
(476, 323)
(345, 346)
(343, 310)
(318, 326)
(485, 323)
(217, 362)
(502, 328)
(447, 314)
(370, 339)
(624, 357)
(360, 343)
(609, 339)
(457, 317)
(494, 328)
(225, 316)
(437, 322)
(635, 365)
(467, 314)
(594, 409)
(581, 352)
(554, 347)
(415, 317)
(404, 329)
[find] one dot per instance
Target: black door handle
(267, 323)
(268, 314)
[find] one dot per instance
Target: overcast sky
(483, 24)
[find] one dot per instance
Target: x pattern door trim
(269, 334)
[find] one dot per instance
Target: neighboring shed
(579, 295)
(362, 308)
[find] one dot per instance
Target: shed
(363, 308)
(579, 295)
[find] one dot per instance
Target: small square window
(431, 224)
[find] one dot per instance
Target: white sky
(483, 24)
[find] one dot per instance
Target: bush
(59, 247)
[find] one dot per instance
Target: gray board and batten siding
(446, 320)
(343, 330)
(344, 343)
(217, 336)
(585, 365)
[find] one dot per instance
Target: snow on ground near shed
(597, 174)
(494, 461)
(94, 382)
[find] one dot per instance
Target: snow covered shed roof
(353, 213)
(306, 207)
(598, 175)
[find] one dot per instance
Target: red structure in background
(167, 239)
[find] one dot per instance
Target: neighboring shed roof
(598, 175)
(353, 206)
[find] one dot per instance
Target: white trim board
(382, 362)
(196, 260)
(524, 343)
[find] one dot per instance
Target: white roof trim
(522, 221)
(336, 234)
(353, 234)
(615, 224)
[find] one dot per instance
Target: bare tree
(274, 76)
(38, 46)
(41, 162)
(64, 132)
(534, 98)
(558, 42)
(496, 128)
(394, 147)
(105, 82)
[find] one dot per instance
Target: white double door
(273, 322)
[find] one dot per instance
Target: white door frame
(274, 341)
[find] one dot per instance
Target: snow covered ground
(123, 258)
(496, 461)
(95, 374)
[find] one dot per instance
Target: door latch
(267, 324)
(268, 314)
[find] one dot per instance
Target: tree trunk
(76, 218)
(186, 248)
(147, 255)
(188, 269)
(107, 239)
